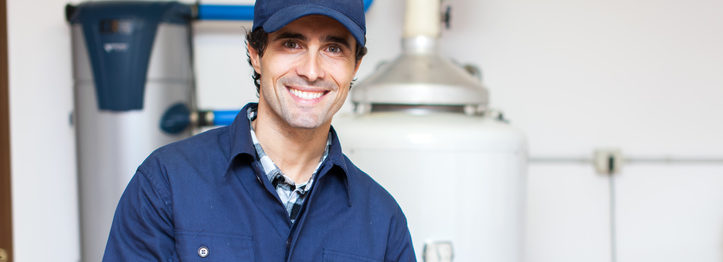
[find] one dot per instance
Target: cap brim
(285, 16)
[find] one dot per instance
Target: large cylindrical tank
(458, 178)
(422, 128)
(132, 61)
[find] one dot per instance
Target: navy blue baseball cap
(272, 15)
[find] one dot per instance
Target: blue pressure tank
(132, 61)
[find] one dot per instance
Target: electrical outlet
(608, 161)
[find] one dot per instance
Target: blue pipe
(224, 117)
(226, 12)
(178, 117)
(237, 12)
(367, 4)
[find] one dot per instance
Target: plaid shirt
(292, 195)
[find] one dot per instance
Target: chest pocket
(207, 247)
(338, 256)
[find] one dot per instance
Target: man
(274, 185)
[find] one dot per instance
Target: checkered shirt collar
(291, 194)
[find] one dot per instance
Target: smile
(306, 94)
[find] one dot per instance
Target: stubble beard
(295, 116)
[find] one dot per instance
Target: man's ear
(255, 58)
(356, 67)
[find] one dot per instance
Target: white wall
(44, 185)
(640, 75)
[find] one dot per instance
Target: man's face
(306, 70)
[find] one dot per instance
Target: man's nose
(310, 67)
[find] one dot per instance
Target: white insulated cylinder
(459, 179)
(111, 144)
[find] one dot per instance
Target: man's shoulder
(188, 151)
(365, 188)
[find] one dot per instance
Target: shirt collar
(241, 144)
(270, 168)
(337, 159)
(240, 138)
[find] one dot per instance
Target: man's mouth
(309, 95)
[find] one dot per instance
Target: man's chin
(302, 123)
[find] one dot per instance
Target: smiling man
(274, 185)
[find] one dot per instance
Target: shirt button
(203, 251)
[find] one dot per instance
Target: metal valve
(438, 251)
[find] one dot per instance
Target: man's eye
(291, 44)
(334, 49)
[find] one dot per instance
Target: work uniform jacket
(207, 198)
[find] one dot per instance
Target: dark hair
(258, 39)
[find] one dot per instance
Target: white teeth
(306, 95)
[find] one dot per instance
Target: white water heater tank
(423, 130)
(132, 62)
(458, 178)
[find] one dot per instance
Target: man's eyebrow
(288, 35)
(338, 40)
(330, 38)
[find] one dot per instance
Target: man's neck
(296, 151)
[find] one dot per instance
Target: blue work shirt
(206, 198)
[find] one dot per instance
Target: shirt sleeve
(142, 227)
(399, 247)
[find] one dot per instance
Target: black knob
(69, 11)
(447, 16)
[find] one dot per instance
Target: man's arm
(142, 227)
(399, 246)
